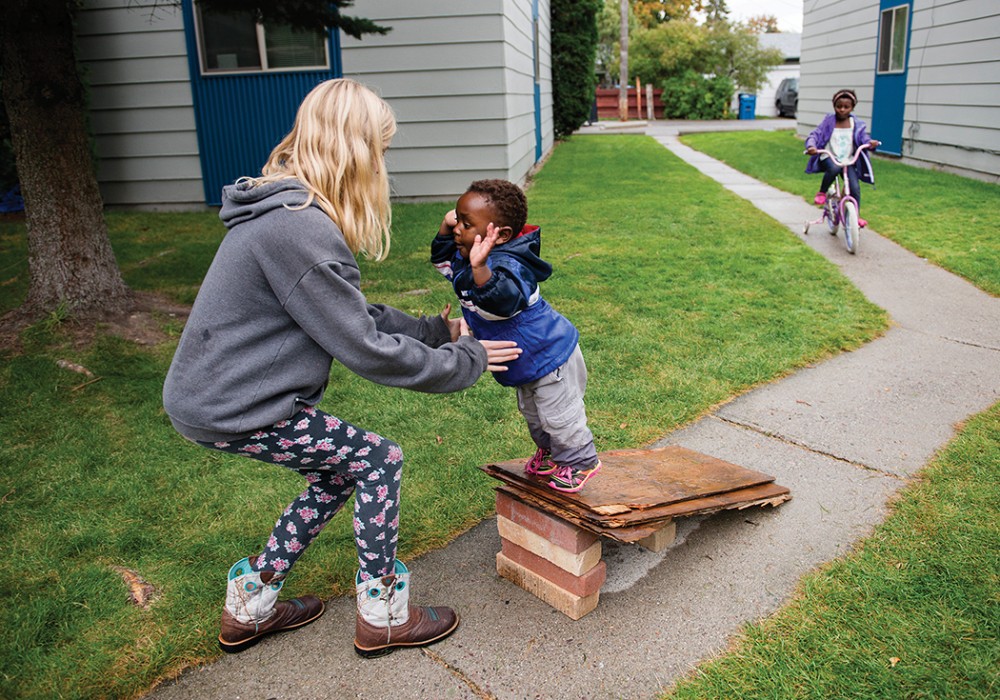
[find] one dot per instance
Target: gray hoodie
(280, 302)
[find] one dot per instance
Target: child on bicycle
(841, 133)
(492, 259)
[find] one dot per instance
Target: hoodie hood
(245, 200)
(527, 248)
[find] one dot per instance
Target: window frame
(264, 68)
(887, 40)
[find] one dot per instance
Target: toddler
(493, 261)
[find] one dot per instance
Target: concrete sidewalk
(843, 435)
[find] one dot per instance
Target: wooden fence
(607, 103)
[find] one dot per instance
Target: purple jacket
(820, 137)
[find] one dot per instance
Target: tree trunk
(623, 64)
(70, 260)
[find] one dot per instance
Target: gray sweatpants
(557, 420)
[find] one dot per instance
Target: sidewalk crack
(803, 446)
(476, 690)
(969, 343)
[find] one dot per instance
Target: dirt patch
(143, 323)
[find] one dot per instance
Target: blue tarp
(11, 201)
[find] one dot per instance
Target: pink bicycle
(841, 207)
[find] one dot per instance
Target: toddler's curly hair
(508, 201)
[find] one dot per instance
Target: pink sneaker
(571, 480)
(541, 464)
(820, 199)
(862, 223)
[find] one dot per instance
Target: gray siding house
(926, 72)
(177, 111)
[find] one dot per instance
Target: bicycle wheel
(830, 216)
(852, 232)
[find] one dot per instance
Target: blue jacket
(820, 137)
(510, 305)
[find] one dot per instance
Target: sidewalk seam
(476, 690)
(803, 446)
(969, 343)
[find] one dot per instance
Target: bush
(574, 47)
(695, 96)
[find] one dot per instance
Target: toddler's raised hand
(448, 224)
(481, 247)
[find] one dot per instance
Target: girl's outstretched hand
(498, 352)
(454, 324)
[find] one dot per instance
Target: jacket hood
(527, 247)
(245, 200)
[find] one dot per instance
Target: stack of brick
(551, 541)
(549, 557)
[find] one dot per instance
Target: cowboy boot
(253, 611)
(386, 619)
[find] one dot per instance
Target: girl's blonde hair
(337, 150)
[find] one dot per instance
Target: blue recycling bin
(748, 105)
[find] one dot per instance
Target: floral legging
(336, 459)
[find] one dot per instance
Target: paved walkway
(843, 435)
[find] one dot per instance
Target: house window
(892, 39)
(236, 43)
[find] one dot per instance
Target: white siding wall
(142, 111)
(952, 113)
(458, 74)
(839, 40)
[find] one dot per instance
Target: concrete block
(661, 539)
(583, 586)
(575, 563)
(556, 530)
(571, 605)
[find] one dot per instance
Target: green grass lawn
(685, 295)
(950, 220)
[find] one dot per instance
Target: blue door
(247, 82)
(890, 74)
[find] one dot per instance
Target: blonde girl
(281, 301)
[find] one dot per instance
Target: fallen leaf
(73, 367)
(893, 661)
(623, 426)
(140, 591)
(438, 438)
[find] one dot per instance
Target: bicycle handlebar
(857, 154)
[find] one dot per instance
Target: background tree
(649, 13)
(763, 24)
(623, 60)
(736, 53)
(608, 37)
(669, 49)
(716, 12)
(699, 66)
(574, 46)
(71, 265)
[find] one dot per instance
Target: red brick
(572, 605)
(556, 530)
(576, 564)
(585, 585)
